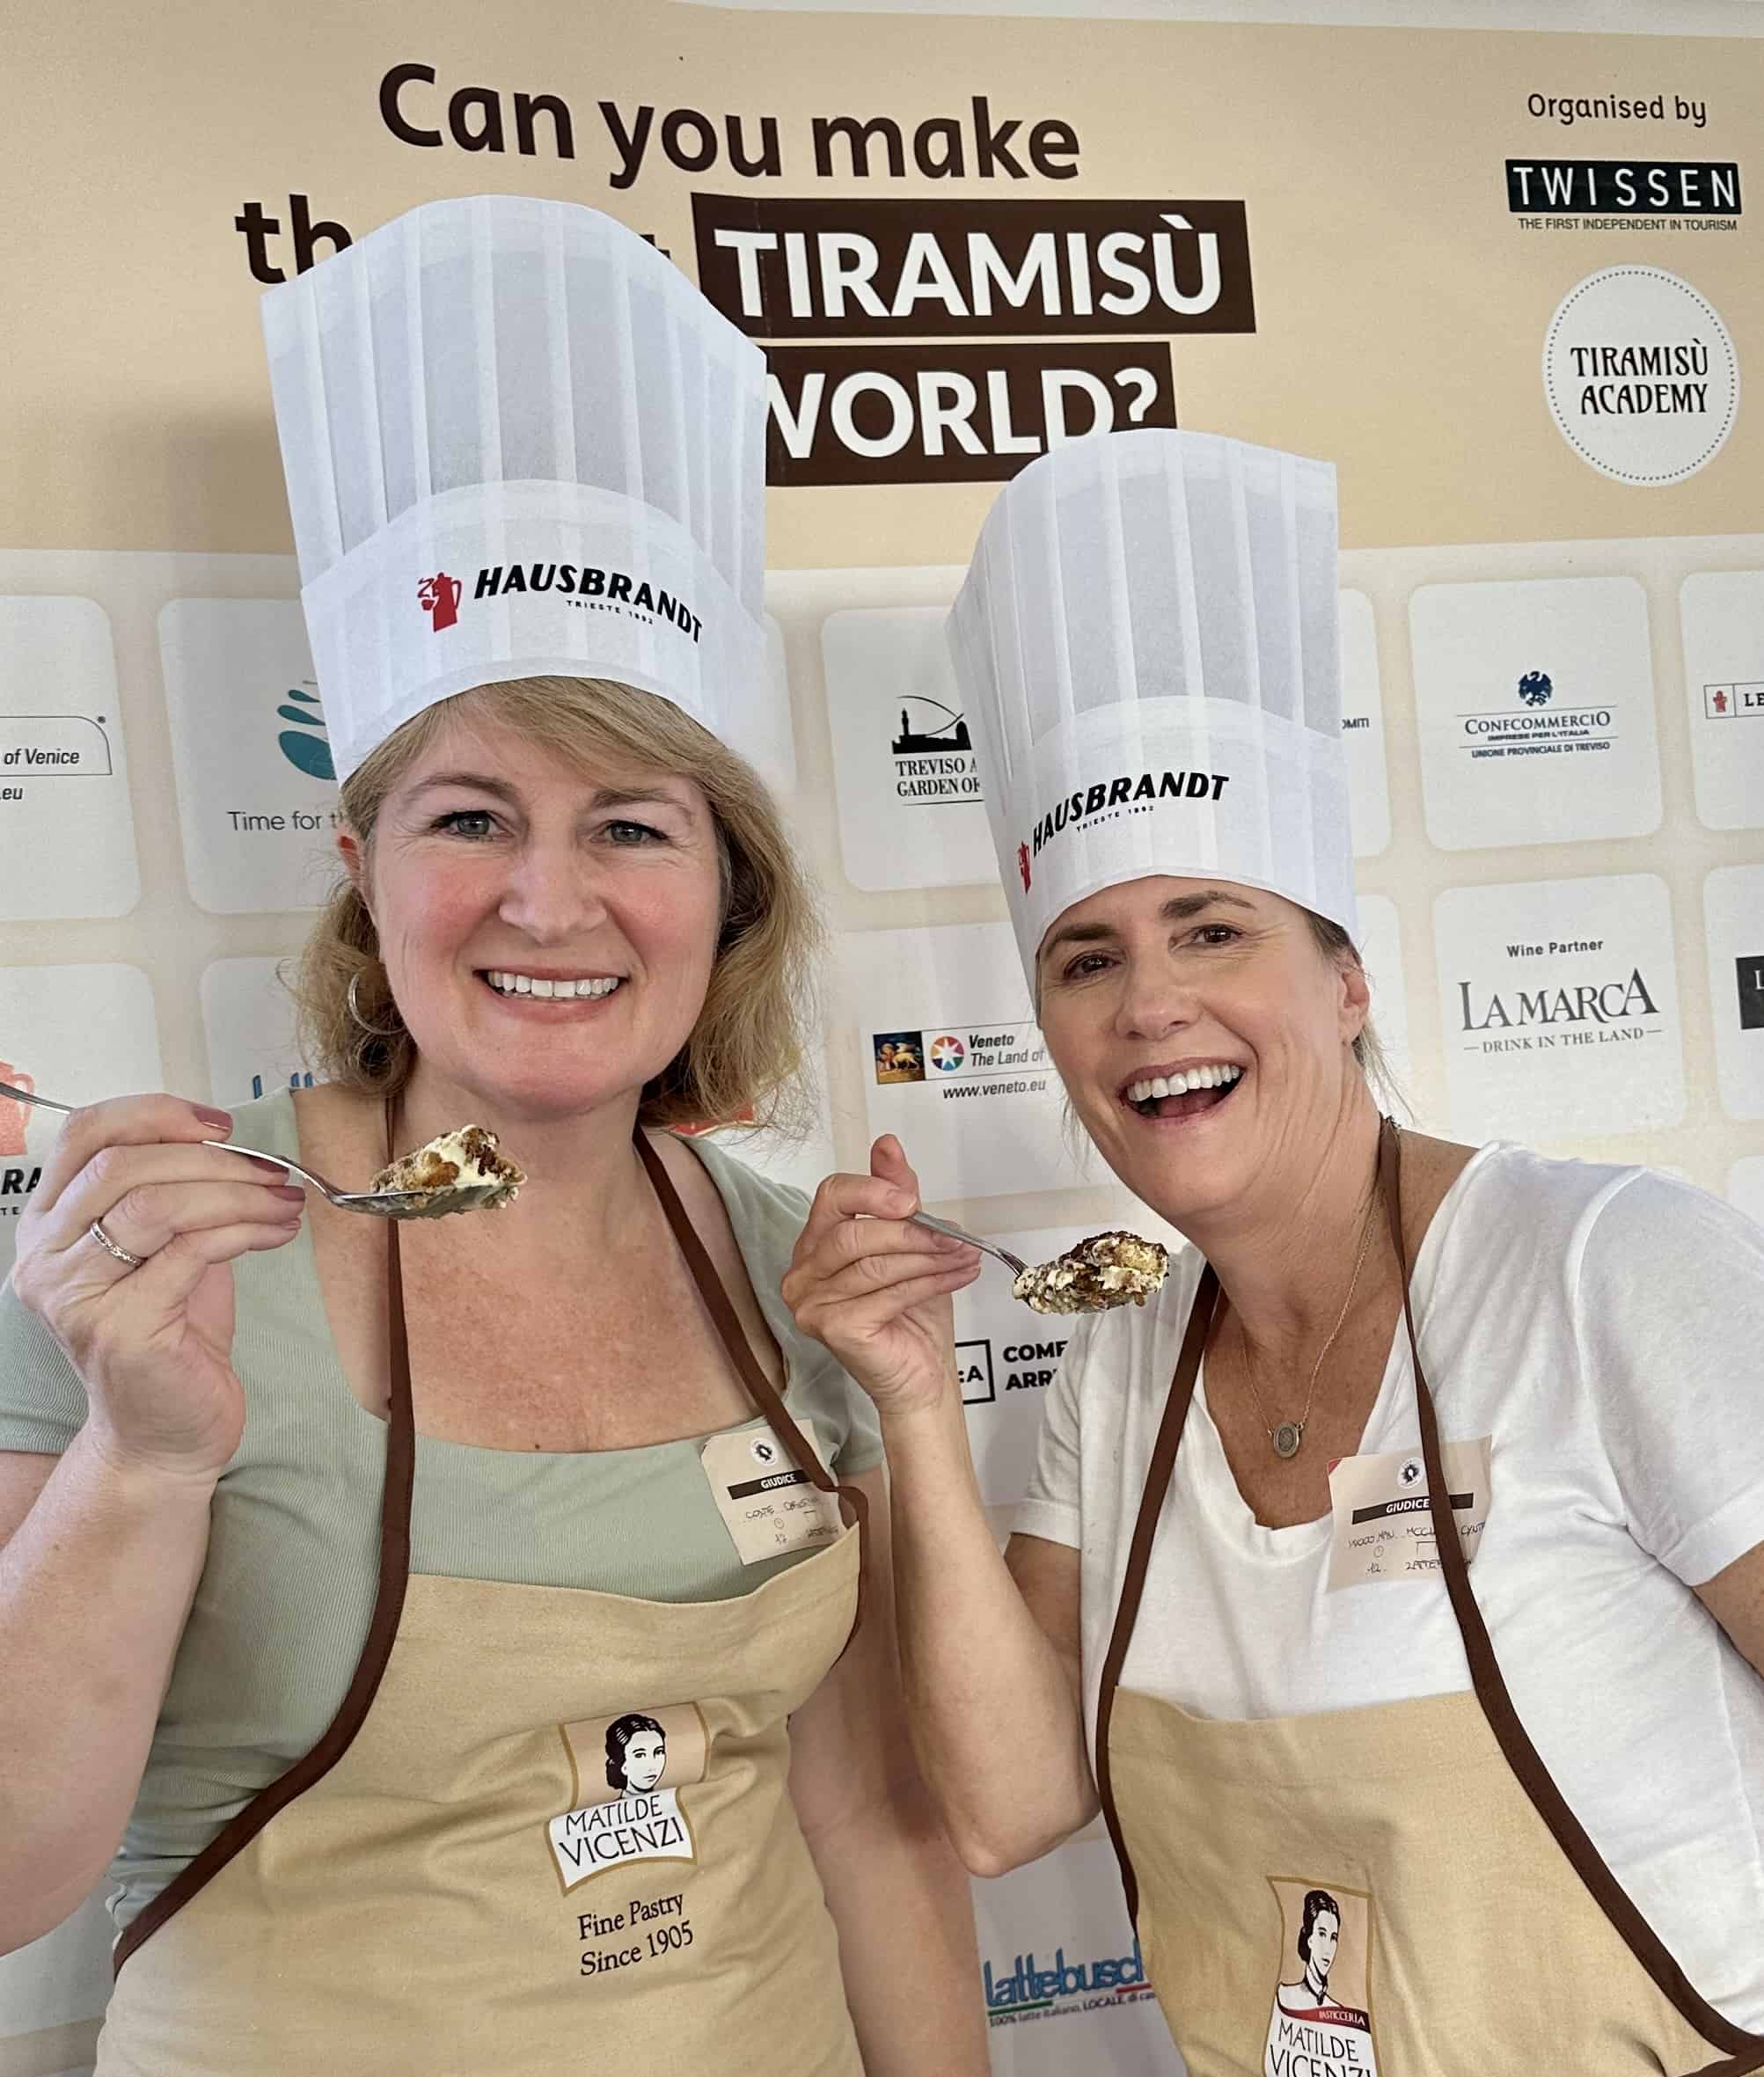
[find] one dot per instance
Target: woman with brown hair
(334, 1544)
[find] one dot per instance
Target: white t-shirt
(1605, 1327)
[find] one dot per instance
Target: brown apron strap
(853, 1502)
(352, 1712)
(1139, 1556)
(1504, 1720)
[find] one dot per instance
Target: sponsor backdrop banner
(1508, 280)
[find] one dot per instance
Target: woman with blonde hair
(337, 1548)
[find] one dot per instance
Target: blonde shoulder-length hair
(743, 1055)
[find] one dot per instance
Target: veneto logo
(12, 1113)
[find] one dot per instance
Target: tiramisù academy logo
(1321, 2018)
(1641, 374)
(439, 597)
(934, 763)
(1737, 700)
(1111, 799)
(626, 1774)
(1536, 725)
(1051, 1987)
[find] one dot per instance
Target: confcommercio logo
(1128, 793)
(585, 585)
(1045, 1989)
(1536, 727)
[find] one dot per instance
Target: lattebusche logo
(1033, 1990)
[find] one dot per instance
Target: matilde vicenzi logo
(626, 1773)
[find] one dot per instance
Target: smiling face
(548, 931)
(1203, 1038)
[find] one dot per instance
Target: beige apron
(549, 1830)
(1400, 1888)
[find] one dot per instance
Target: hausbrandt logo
(1031, 1989)
(604, 589)
(439, 597)
(1127, 794)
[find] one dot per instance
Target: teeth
(1220, 1077)
(509, 983)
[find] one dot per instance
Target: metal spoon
(942, 1226)
(376, 1204)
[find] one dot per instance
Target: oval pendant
(1287, 1439)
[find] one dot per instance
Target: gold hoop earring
(355, 1009)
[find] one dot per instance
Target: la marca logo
(1023, 865)
(439, 597)
(12, 1113)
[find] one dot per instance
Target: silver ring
(96, 1229)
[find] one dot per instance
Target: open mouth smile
(1176, 1092)
(550, 987)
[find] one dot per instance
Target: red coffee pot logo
(439, 599)
(12, 1113)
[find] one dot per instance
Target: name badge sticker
(1383, 1528)
(770, 1505)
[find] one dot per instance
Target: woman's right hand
(153, 1344)
(876, 1291)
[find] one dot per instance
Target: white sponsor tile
(1721, 616)
(1559, 1006)
(951, 1061)
(67, 829)
(1363, 726)
(1535, 705)
(1746, 1187)
(248, 1019)
(911, 809)
(76, 1033)
(1733, 930)
(1062, 1974)
(1381, 949)
(255, 791)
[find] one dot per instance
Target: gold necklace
(1288, 1437)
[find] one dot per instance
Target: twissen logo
(439, 597)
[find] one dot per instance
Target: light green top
(287, 1589)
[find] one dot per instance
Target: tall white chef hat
(1146, 645)
(518, 440)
